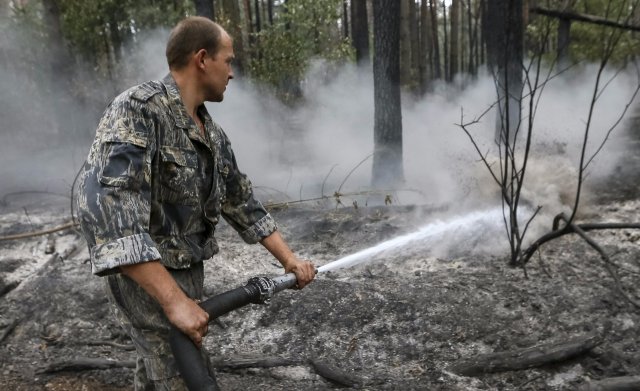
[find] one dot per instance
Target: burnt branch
(534, 356)
(607, 261)
(622, 383)
(557, 232)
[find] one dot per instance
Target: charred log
(528, 357)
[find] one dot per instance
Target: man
(158, 176)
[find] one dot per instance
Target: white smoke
(316, 147)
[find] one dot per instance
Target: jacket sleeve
(115, 191)
(239, 206)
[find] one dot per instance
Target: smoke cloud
(324, 144)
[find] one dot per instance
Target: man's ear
(199, 57)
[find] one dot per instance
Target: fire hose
(190, 362)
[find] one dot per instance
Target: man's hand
(182, 312)
(304, 270)
(189, 317)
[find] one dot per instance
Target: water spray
(259, 290)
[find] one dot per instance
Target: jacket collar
(175, 103)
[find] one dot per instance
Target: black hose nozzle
(258, 290)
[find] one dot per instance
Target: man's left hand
(305, 272)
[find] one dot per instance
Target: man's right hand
(189, 318)
(182, 312)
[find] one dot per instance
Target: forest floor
(401, 323)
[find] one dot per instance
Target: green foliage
(588, 41)
(97, 29)
(304, 30)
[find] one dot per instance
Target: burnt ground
(399, 323)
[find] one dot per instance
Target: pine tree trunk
(445, 43)
(360, 30)
(387, 169)
(426, 47)
(345, 19)
(232, 10)
(455, 29)
(405, 43)
(505, 38)
(436, 40)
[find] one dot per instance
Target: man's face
(218, 70)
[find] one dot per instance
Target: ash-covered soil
(399, 323)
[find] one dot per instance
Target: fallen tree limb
(112, 344)
(8, 329)
(25, 235)
(85, 364)
(622, 383)
(252, 362)
(330, 373)
(335, 375)
(528, 357)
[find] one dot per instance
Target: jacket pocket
(123, 165)
(178, 170)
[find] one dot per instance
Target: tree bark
(405, 43)
(426, 47)
(414, 38)
(454, 18)
(387, 158)
(248, 19)
(232, 10)
(270, 11)
(505, 38)
(436, 40)
(473, 36)
(445, 43)
(345, 19)
(360, 30)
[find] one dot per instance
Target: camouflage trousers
(143, 319)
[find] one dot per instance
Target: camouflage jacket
(153, 187)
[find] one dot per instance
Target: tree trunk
(473, 39)
(415, 41)
(248, 19)
(505, 32)
(256, 4)
(205, 8)
(270, 11)
(436, 40)
(564, 38)
(60, 62)
(455, 29)
(445, 43)
(387, 158)
(426, 47)
(405, 43)
(345, 19)
(360, 30)
(232, 10)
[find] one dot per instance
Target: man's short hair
(189, 36)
